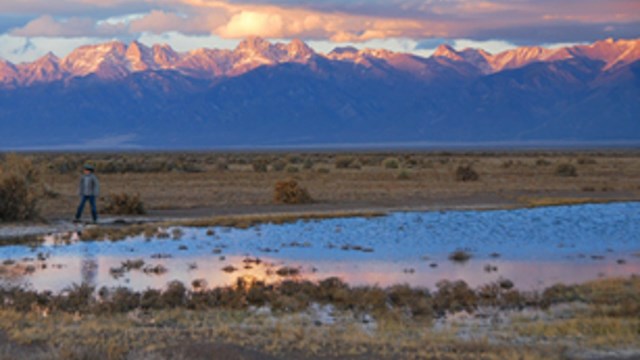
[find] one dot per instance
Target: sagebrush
(290, 192)
(124, 204)
(20, 189)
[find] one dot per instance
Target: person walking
(88, 190)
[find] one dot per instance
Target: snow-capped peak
(298, 50)
(448, 52)
(254, 44)
(8, 71)
(164, 55)
(114, 60)
(105, 60)
(140, 57)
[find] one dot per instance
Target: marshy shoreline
(326, 320)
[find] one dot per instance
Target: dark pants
(94, 211)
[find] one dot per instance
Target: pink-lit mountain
(266, 93)
(116, 60)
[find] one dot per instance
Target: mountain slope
(283, 94)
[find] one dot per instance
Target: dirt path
(17, 230)
(354, 208)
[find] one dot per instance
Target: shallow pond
(534, 248)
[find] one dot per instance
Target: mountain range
(265, 94)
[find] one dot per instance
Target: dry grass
(400, 321)
(555, 201)
(240, 188)
(160, 334)
(590, 331)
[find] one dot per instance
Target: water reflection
(536, 247)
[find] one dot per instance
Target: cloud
(47, 26)
(19, 49)
(288, 22)
(158, 22)
(72, 8)
(559, 32)
(247, 23)
(423, 22)
(523, 21)
(349, 21)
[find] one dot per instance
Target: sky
(32, 28)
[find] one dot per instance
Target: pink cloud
(47, 26)
(571, 20)
(158, 22)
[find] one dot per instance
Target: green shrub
(294, 159)
(174, 295)
(566, 170)
(124, 204)
(222, 166)
(308, 164)
(290, 192)
(454, 296)
(292, 169)
(260, 166)
(586, 161)
(466, 173)
(459, 256)
(344, 162)
(403, 175)
(371, 160)
(391, 163)
(278, 165)
(153, 165)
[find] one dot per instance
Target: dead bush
(124, 204)
(466, 173)
(290, 192)
(19, 189)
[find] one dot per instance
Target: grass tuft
(460, 256)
